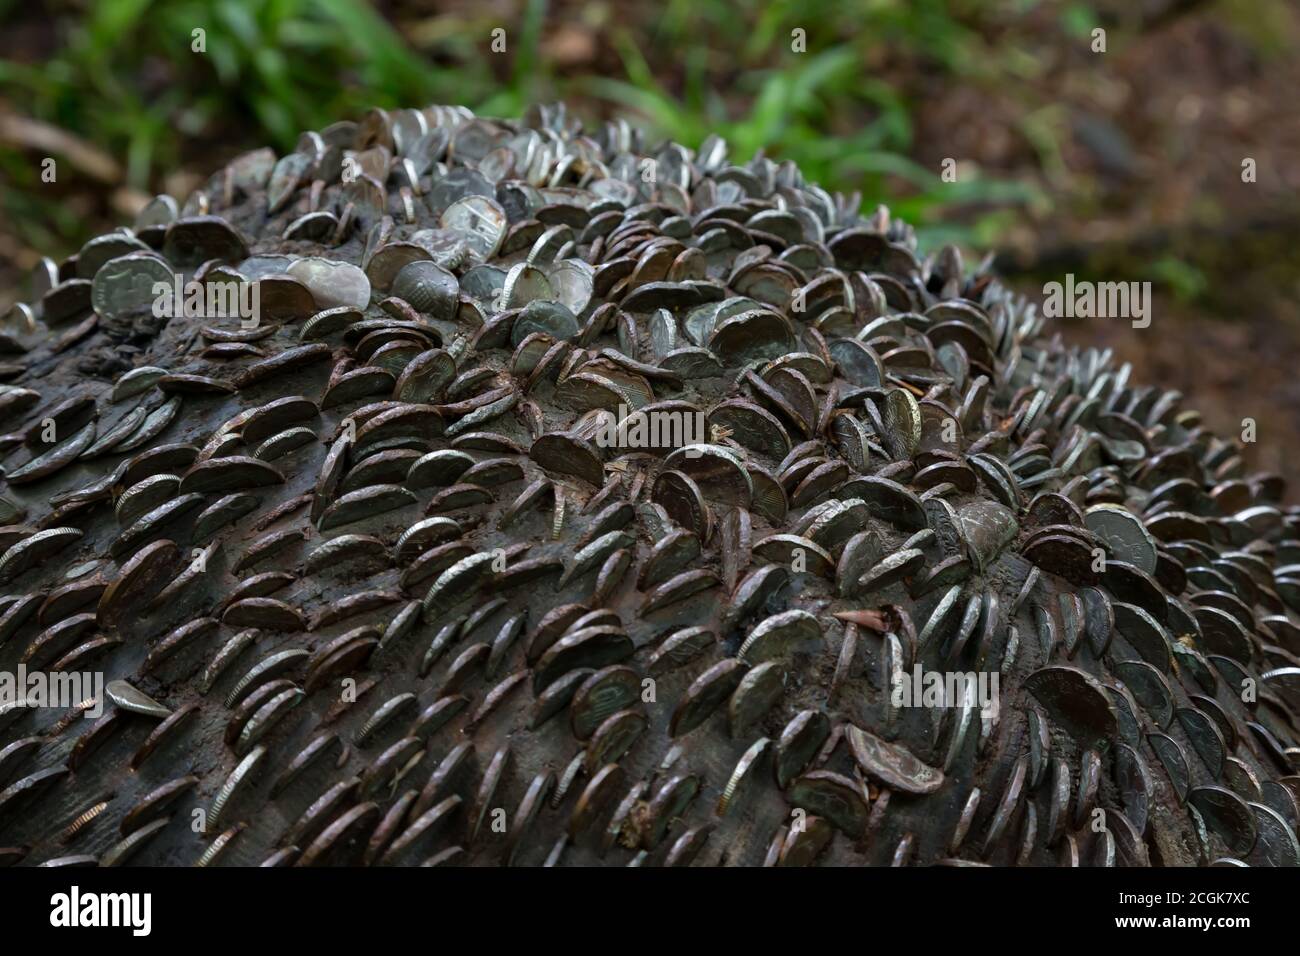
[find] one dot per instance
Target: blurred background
(1122, 165)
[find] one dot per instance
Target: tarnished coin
(891, 764)
(833, 796)
(1123, 535)
(131, 285)
(479, 221)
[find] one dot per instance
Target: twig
(33, 134)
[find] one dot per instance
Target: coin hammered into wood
(545, 512)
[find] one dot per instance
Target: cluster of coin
(453, 490)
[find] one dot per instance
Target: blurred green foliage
(122, 75)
